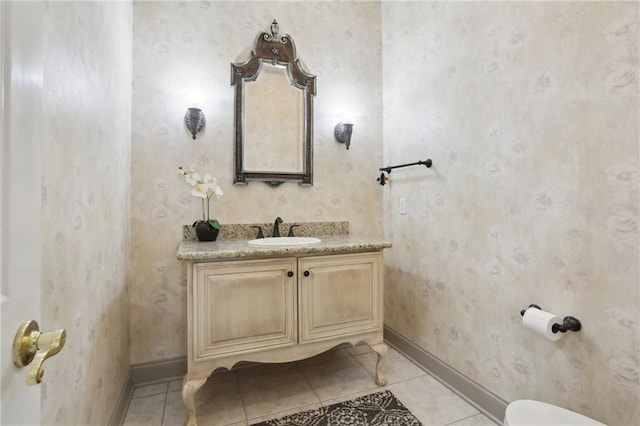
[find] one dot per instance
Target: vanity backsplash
(248, 230)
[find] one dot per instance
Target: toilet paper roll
(540, 322)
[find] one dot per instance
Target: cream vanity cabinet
(243, 307)
(280, 309)
(339, 295)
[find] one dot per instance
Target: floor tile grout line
(278, 414)
(164, 406)
(352, 396)
(244, 409)
(464, 418)
(409, 379)
(151, 394)
(300, 372)
(306, 379)
(324, 403)
(363, 367)
(406, 380)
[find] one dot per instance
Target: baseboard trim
(483, 399)
(122, 404)
(145, 373)
(154, 371)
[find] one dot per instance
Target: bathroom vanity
(279, 304)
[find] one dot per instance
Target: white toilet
(525, 412)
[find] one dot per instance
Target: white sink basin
(283, 241)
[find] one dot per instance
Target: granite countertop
(240, 249)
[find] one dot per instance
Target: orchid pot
(206, 230)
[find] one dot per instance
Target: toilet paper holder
(568, 323)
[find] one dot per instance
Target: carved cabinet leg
(381, 364)
(189, 389)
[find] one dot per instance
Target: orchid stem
(207, 206)
(203, 218)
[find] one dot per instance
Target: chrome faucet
(276, 227)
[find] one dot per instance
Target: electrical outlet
(403, 205)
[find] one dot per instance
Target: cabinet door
(243, 306)
(340, 295)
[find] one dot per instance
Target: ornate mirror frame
(277, 50)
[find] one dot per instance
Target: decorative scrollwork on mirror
(273, 113)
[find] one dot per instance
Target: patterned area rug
(377, 409)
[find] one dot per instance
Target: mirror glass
(273, 113)
(273, 130)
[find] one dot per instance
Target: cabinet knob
(290, 274)
(306, 273)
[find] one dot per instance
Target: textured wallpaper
(529, 111)
(85, 201)
(182, 54)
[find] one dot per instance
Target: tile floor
(254, 393)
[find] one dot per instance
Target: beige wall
(182, 53)
(85, 201)
(529, 111)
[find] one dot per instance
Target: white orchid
(193, 178)
(200, 190)
(212, 183)
(218, 191)
(210, 180)
(204, 187)
(183, 170)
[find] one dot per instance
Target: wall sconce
(194, 120)
(343, 132)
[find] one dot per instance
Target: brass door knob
(30, 344)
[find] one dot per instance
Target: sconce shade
(343, 132)
(194, 120)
